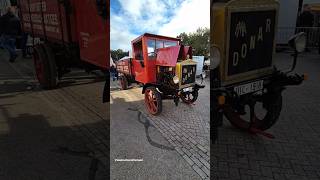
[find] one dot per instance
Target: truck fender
(145, 86)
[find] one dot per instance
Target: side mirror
(215, 58)
(298, 42)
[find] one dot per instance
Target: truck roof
(155, 36)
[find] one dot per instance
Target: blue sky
(131, 18)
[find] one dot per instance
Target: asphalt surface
(52, 134)
(134, 136)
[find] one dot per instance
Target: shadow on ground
(32, 149)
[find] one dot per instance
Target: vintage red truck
(73, 33)
(165, 69)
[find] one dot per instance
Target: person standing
(10, 29)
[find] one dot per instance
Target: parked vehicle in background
(72, 34)
(163, 67)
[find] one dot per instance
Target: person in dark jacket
(10, 29)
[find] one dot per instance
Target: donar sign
(251, 41)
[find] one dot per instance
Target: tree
(199, 41)
(118, 54)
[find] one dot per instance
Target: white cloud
(152, 16)
(191, 15)
(120, 36)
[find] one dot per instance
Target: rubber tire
(195, 95)
(158, 99)
(52, 65)
(272, 116)
(123, 82)
(273, 112)
(50, 73)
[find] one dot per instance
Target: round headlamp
(176, 79)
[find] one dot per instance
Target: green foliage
(199, 41)
(118, 54)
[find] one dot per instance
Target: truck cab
(145, 50)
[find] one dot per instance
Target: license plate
(249, 88)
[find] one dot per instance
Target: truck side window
(159, 44)
(151, 49)
(137, 47)
(170, 43)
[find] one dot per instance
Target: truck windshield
(153, 45)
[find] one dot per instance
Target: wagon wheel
(153, 102)
(45, 67)
(189, 97)
(262, 115)
(123, 82)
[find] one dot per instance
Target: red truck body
(69, 22)
(143, 67)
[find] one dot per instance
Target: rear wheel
(153, 100)
(45, 66)
(262, 115)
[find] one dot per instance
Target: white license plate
(249, 88)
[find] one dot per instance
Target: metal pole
(299, 12)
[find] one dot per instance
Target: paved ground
(295, 152)
(184, 129)
(48, 134)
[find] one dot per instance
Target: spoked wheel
(123, 82)
(153, 102)
(45, 66)
(189, 97)
(261, 115)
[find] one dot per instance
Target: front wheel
(153, 100)
(189, 97)
(262, 115)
